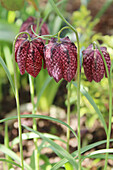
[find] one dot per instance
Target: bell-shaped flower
(61, 59)
(29, 56)
(93, 64)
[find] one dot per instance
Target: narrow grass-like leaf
(11, 162)
(8, 59)
(31, 135)
(59, 149)
(104, 8)
(6, 142)
(13, 155)
(98, 152)
(101, 156)
(41, 117)
(84, 149)
(42, 89)
(91, 101)
(8, 73)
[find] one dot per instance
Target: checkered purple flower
(29, 56)
(93, 64)
(61, 59)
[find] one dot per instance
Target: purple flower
(93, 64)
(61, 59)
(29, 55)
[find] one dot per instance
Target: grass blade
(11, 162)
(41, 117)
(91, 101)
(31, 135)
(59, 149)
(84, 149)
(42, 89)
(8, 73)
(104, 8)
(6, 142)
(99, 153)
(101, 156)
(13, 155)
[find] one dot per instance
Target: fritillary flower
(61, 59)
(93, 64)
(29, 56)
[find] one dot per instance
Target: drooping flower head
(61, 59)
(93, 64)
(29, 55)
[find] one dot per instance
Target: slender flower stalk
(37, 155)
(78, 78)
(32, 99)
(18, 103)
(110, 105)
(68, 113)
(66, 27)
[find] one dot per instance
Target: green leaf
(84, 149)
(104, 8)
(11, 162)
(47, 81)
(8, 31)
(6, 142)
(13, 155)
(91, 101)
(12, 5)
(101, 151)
(31, 135)
(98, 153)
(8, 59)
(68, 166)
(59, 149)
(41, 117)
(8, 73)
(32, 160)
(100, 156)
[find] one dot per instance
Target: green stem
(110, 118)
(18, 104)
(46, 37)
(68, 113)
(66, 27)
(110, 105)
(37, 154)
(6, 141)
(78, 78)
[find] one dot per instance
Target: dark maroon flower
(61, 59)
(93, 64)
(26, 26)
(17, 44)
(29, 55)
